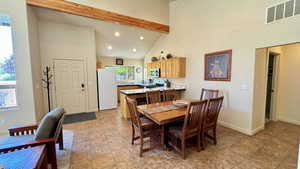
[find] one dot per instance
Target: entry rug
(64, 156)
(80, 117)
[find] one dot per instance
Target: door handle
(82, 87)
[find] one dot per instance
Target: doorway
(70, 86)
(271, 83)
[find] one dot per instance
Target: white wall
(199, 27)
(137, 63)
(35, 63)
(61, 41)
(25, 114)
(260, 89)
(288, 91)
(151, 10)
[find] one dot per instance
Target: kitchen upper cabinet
(163, 70)
(156, 65)
(149, 67)
(178, 67)
(170, 68)
(153, 65)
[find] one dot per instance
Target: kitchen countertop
(129, 84)
(137, 84)
(143, 90)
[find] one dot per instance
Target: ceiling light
(134, 49)
(109, 47)
(142, 38)
(117, 34)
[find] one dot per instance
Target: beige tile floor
(105, 143)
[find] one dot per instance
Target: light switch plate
(244, 87)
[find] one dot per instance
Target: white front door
(70, 86)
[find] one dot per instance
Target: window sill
(8, 109)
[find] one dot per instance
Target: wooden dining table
(166, 114)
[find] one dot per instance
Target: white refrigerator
(107, 89)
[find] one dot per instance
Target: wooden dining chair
(213, 110)
(170, 95)
(209, 94)
(192, 126)
(153, 97)
(143, 125)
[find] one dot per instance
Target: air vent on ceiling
(271, 14)
(279, 11)
(297, 7)
(289, 8)
(283, 10)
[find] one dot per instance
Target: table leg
(163, 137)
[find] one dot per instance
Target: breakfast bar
(140, 94)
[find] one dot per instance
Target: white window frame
(10, 84)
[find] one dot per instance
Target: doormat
(80, 117)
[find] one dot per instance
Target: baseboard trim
(236, 128)
(93, 110)
(289, 120)
(258, 129)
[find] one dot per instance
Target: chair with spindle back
(192, 126)
(209, 94)
(153, 97)
(145, 127)
(213, 110)
(170, 95)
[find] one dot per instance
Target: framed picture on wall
(119, 61)
(218, 66)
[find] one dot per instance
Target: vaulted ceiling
(122, 46)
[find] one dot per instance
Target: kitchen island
(141, 94)
(133, 85)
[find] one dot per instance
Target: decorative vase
(154, 59)
(169, 56)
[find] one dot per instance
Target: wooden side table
(30, 158)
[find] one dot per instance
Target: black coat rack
(46, 84)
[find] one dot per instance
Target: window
(7, 65)
(124, 72)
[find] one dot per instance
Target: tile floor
(105, 144)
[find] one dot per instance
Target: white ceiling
(122, 46)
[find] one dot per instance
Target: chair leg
(133, 135)
(183, 148)
(61, 140)
(142, 145)
(203, 140)
(215, 135)
(51, 154)
(198, 142)
(45, 162)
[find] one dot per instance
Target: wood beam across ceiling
(86, 11)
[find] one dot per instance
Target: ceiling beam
(86, 11)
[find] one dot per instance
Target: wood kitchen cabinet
(178, 67)
(153, 65)
(149, 67)
(156, 65)
(170, 68)
(126, 88)
(163, 70)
